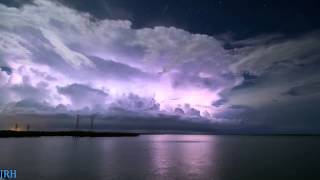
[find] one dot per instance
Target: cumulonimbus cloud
(79, 61)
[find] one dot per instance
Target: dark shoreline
(85, 133)
(9, 133)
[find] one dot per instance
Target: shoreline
(87, 133)
(10, 133)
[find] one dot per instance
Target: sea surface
(163, 157)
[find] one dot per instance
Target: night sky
(202, 66)
(241, 18)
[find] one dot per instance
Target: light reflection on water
(162, 157)
(173, 156)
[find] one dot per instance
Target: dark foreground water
(163, 157)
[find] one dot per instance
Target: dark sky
(243, 18)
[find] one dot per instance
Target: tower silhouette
(77, 122)
(92, 121)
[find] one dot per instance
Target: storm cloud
(84, 64)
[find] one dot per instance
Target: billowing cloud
(134, 102)
(82, 96)
(107, 54)
(4, 78)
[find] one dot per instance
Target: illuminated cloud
(106, 54)
(69, 61)
(82, 96)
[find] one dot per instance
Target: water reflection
(162, 157)
(180, 155)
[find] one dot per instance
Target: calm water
(163, 157)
